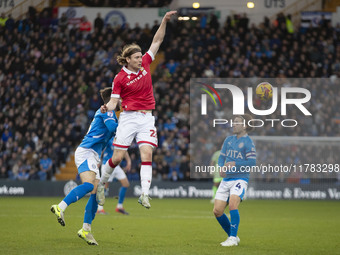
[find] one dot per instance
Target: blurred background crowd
(51, 74)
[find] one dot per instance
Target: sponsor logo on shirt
(234, 154)
(144, 72)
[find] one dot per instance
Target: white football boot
(144, 201)
(231, 241)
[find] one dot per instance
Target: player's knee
(146, 153)
(147, 157)
(234, 202)
(233, 205)
(125, 183)
(116, 159)
(217, 212)
(88, 186)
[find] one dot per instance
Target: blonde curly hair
(127, 51)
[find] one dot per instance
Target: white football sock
(146, 176)
(87, 226)
(106, 173)
(62, 205)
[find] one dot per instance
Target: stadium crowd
(125, 3)
(50, 77)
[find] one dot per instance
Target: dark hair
(127, 51)
(106, 96)
(247, 117)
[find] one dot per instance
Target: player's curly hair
(127, 51)
(106, 96)
(247, 117)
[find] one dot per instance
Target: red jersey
(85, 26)
(135, 89)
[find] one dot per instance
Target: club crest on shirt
(144, 72)
(241, 145)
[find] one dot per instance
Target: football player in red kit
(133, 85)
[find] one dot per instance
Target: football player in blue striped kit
(238, 152)
(87, 158)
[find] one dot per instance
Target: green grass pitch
(171, 226)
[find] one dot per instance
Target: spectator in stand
(3, 19)
(45, 168)
(3, 172)
(99, 23)
(45, 21)
(6, 135)
(10, 23)
(63, 22)
(85, 25)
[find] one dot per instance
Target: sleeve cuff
(115, 95)
(151, 55)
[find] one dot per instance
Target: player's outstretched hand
(103, 108)
(168, 15)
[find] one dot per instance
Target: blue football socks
(122, 192)
(235, 221)
(90, 209)
(224, 222)
(78, 192)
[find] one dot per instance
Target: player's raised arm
(159, 36)
(110, 106)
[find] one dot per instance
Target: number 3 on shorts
(153, 133)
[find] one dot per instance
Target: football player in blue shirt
(237, 154)
(87, 159)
